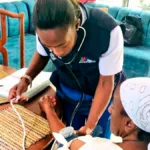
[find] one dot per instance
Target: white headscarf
(135, 97)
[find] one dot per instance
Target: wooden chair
(3, 40)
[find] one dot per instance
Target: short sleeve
(111, 62)
(40, 48)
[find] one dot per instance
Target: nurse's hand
(47, 103)
(18, 90)
(84, 131)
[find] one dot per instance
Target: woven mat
(3, 74)
(11, 132)
(3, 100)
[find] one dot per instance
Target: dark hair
(49, 14)
(121, 78)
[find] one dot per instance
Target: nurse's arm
(101, 100)
(110, 64)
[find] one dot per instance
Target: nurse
(86, 46)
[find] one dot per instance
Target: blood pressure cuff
(70, 138)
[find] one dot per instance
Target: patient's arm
(76, 144)
(54, 122)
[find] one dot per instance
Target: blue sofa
(136, 59)
(12, 44)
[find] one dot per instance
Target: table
(33, 106)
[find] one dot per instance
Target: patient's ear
(129, 125)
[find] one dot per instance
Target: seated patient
(130, 119)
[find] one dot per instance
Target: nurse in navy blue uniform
(86, 46)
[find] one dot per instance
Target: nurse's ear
(78, 24)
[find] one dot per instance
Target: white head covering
(135, 97)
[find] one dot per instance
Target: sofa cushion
(12, 23)
(30, 6)
(148, 35)
(13, 48)
(137, 61)
(22, 8)
(113, 11)
(124, 11)
(145, 16)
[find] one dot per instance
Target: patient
(130, 118)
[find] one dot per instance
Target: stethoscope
(69, 69)
(67, 64)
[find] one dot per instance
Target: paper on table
(7, 83)
(39, 83)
